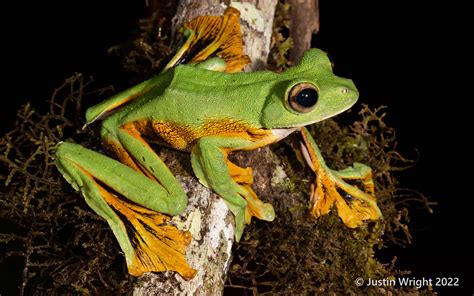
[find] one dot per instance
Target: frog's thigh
(148, 242)
(130, 148)
(122, 179)
(210, 164)
(152, 165)
(97, 111)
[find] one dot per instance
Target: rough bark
(304, 23)
(207, 216)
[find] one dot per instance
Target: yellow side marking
(183, 137)
(123, 101)
(177, 136)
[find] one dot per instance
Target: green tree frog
(209, 114)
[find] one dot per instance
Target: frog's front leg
(131, 199)
(355, 203)
(231, 182)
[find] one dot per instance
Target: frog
(210, 113)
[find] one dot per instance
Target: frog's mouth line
(332, 115)
(298, 126)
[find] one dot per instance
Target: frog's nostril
(345, 90)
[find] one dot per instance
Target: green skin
(187, 95)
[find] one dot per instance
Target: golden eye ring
(303, 97)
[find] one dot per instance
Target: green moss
(61, 246)
(151, 48)
(297, 255)
(278, 59)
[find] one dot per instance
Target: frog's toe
(243, 178)
(244, 203)
(354, 210)
(256, 207)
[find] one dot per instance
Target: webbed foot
(351, 189)
(115, 191)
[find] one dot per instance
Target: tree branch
(207, 216)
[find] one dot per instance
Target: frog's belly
(183, 137)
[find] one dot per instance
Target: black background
(399, 55)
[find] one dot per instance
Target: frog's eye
(303, 97)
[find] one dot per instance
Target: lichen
(250, 14)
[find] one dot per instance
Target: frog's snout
(348, 91)
(348, 87)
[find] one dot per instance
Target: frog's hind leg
(351, 189)
(211, 36)
(117, 193)
(122, 98)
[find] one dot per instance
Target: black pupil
(307, 97)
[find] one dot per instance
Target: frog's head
(308, 93)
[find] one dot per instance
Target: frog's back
(187, 103)
(193, 94)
